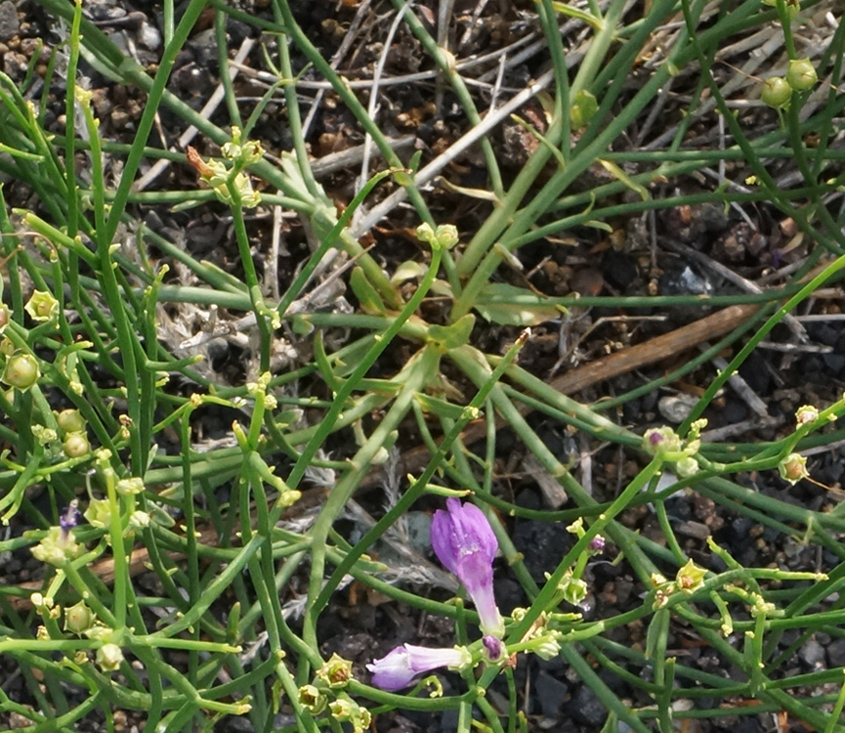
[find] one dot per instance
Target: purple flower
(464, 541)
(69, 518)
(399, 668)
(494, 647)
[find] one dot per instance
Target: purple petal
(462, 530)
(465, 543)
(423, 659)
(399, 668)
(392, 672)
(494, 647)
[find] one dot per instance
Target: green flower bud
(70, 421)
(109, 657)
(806, 414)
(661, 440)
(548, 647)
(57, 547)
(776, 92)
(42, 306)
(130, 486)
(793, 468)
(79, 618)
(336, 672)
(690, 577)
(801, 75)
(76, 445)
(21, 371)
(43, 435)
(139, 520)
(312, 699)
(98, 513)
(687, 467)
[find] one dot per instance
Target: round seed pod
(776, 92)
(801, 75)
(21, 371)
(76, 445)
(70, 421)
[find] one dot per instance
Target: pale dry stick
(749, 286)
(265, 77)
(600, 322)
(780, 273)
(473, 24)
(344, 159)
(208, 109)
(821, 317)
(550, 488)
(621, 362)
(348, 39)
(272, 266)
(717, 435)
(444, 17)
(656, 109)
(585, 464)
(796, 348)
(493, 118)
(373, 105)
(497, 85)
(739, 385)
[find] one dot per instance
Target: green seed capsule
(70, 421)
(776, 92)
(76, 445)
(801, 75)
(21, 371)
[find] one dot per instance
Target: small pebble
(9, 23)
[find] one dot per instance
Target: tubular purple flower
(69, 517)
(399, 668)
(464, 542)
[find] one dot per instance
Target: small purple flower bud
(464, 542)
(494, 646)
(399, 668)
(597, 543)
(69, 517)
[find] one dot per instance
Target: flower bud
(801, 75)
(336, 672)
(776, 92)
(109, 657)
(465, 543)
(793, 468)
(690, 577)
(70, 421)
(98, 513)
(661, 440)
(5, 317)
(127, 486)
(21, 371)
(79, 618)
(76, 445)
(57, 547)
(42, 306)
(312, 699)
(139, 520)
(686, 467)
(806, 414)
